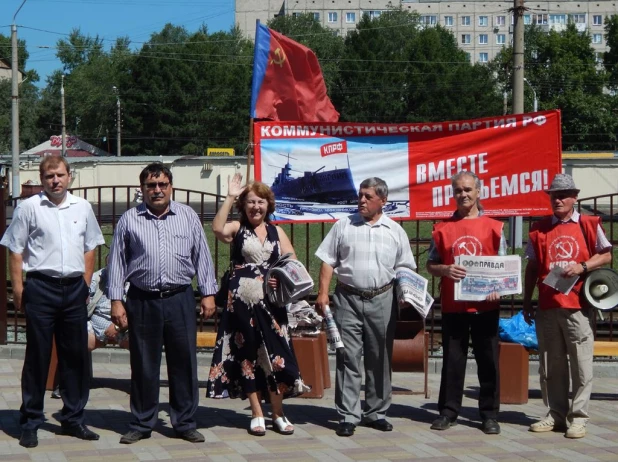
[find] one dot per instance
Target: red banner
(515, 157)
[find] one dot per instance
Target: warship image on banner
(324, 193)
(327, 187)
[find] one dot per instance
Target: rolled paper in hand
(332, 333)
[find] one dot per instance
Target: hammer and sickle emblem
(280, 57)
(564, 250)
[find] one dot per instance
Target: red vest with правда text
(562, 244)
(456, 236)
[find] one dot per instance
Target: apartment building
(482, 28)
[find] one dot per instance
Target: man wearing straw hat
(576, 244)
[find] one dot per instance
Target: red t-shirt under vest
(562, 244)
(457, 236)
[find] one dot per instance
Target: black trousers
(457, 329)
(60, 310)
(154, 324)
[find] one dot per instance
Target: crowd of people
(144, 300)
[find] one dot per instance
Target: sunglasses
(562, 195)
(161, 184)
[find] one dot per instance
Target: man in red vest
(467, 232)
(577, 244)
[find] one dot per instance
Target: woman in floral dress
(253, 355)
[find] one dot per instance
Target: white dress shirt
(53, 238)
(365, 255)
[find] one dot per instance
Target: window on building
(527, 19)
(468, 56)
(465, 21)
(597, 20)
(577, 18)
(465, 39)
(501, 39)
(296, 15)
(429, 20)
(483, 39)
(316, 16)
(539, 19)
(483, 57)
(598, 57)
(597, 38)
(373, 14)
(483, 21)
(448, 21)
(557, 18)
(332, 16)
(350, 18)
(500, 20)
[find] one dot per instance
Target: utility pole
(516, 224)
(64, 124)
(15, 105)
(118, 124)
(518, 57)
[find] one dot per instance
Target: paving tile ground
(224, 424)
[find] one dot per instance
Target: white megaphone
(600, 289)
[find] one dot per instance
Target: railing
(109, 203)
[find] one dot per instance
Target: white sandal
(280, 424)
(257, 422)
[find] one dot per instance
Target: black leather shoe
(381, 424)
(29, 439)
(192, 436)
(133, 436)
(491, 427)
(443, 423)
(80, 431)
(345, 429)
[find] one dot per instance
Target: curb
(113, 355)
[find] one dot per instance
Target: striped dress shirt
(160, 253)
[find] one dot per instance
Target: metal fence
(109, 203)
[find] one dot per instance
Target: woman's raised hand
(234, 185)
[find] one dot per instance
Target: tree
(396, 70)
(190, 91)
(610, 59)
(562, 68)
(28, 96)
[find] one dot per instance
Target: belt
(367, 294)
(150, 295)
(61, 281)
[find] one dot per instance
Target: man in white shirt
(53, 237)
(364, 250)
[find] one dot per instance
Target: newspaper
(559, 282)
(332, 333)
(411, 288)
(485, 275)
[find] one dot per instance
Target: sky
(43, 22)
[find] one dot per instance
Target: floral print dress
(253, 352)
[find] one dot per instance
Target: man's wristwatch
(584, 266)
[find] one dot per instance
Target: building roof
(74, 148)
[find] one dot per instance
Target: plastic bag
(516, 330)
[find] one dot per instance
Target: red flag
(287, 81)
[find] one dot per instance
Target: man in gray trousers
(364, 250)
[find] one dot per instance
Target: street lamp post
(15, 104)
(536, 103)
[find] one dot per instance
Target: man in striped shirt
(158, 247)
